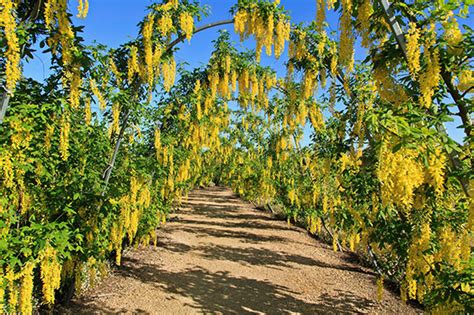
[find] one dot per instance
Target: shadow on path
(221, 292)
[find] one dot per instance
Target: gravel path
(220, 255)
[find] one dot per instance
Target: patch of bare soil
(220, 255)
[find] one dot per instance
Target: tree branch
(447, 77)
(197, 30)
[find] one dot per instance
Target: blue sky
(113, 22)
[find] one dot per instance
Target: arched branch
(197, 30)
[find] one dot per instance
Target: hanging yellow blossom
(47, 137)
(165, 24)
(174, 3)
(83, 9)
(2, 288)
(133, 66)
(11, 277)
(7, 21)
(8, 172)
(240, 20)
(98, 94)
(50, 8)
(400, 174)
(320, 14)
(380, 289)
(115, 117)
(466, 80)
(363, 17)
(452, 33)
(26, 290)
(158, 142)
(75, 86)
(282, 34)
(435, 172)
(87, 111)
(346, 40)
(64, 136)
(66, 33)
(413, 49)
(186, 23)
(115, 71)
(148, 47)
(50, 273)
(330, 4)
(169, 73)
(429, 79)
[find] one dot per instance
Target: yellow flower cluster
(350, 160)
(197, 93)
(429, 79)
(454, 248)
(50, 273)
(20, 294)
(186, 23)
(330, 4)
(314, 224)
(2, 288)
(87, 111)
(387, 88)
(282, 34)
(316, 117)
(49, 10)
(413, 49)
(7, 21)
(55, 13)
(169, 73)
(418, 263)
(400, 174)
(252, 22)
(346, 40)
(132, 64)
(98, 94)
(435, 171)
(452, 33)
(11, 277)
(158, 143)
(83, 9)
(113, 68)
(75, 80)
(64, 136)
(48, 134)
(466, 80)
(8, 173)
(115, 118)
(148, 48)
(297, 48)
(131, 206)
(363, 17)
(26, 290)
(380, 289)
(173, 3)
(165, 24)
(320, 14)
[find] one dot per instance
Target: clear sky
(113, 22)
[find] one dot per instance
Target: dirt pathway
(219, 255)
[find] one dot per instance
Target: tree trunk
(4, 105)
